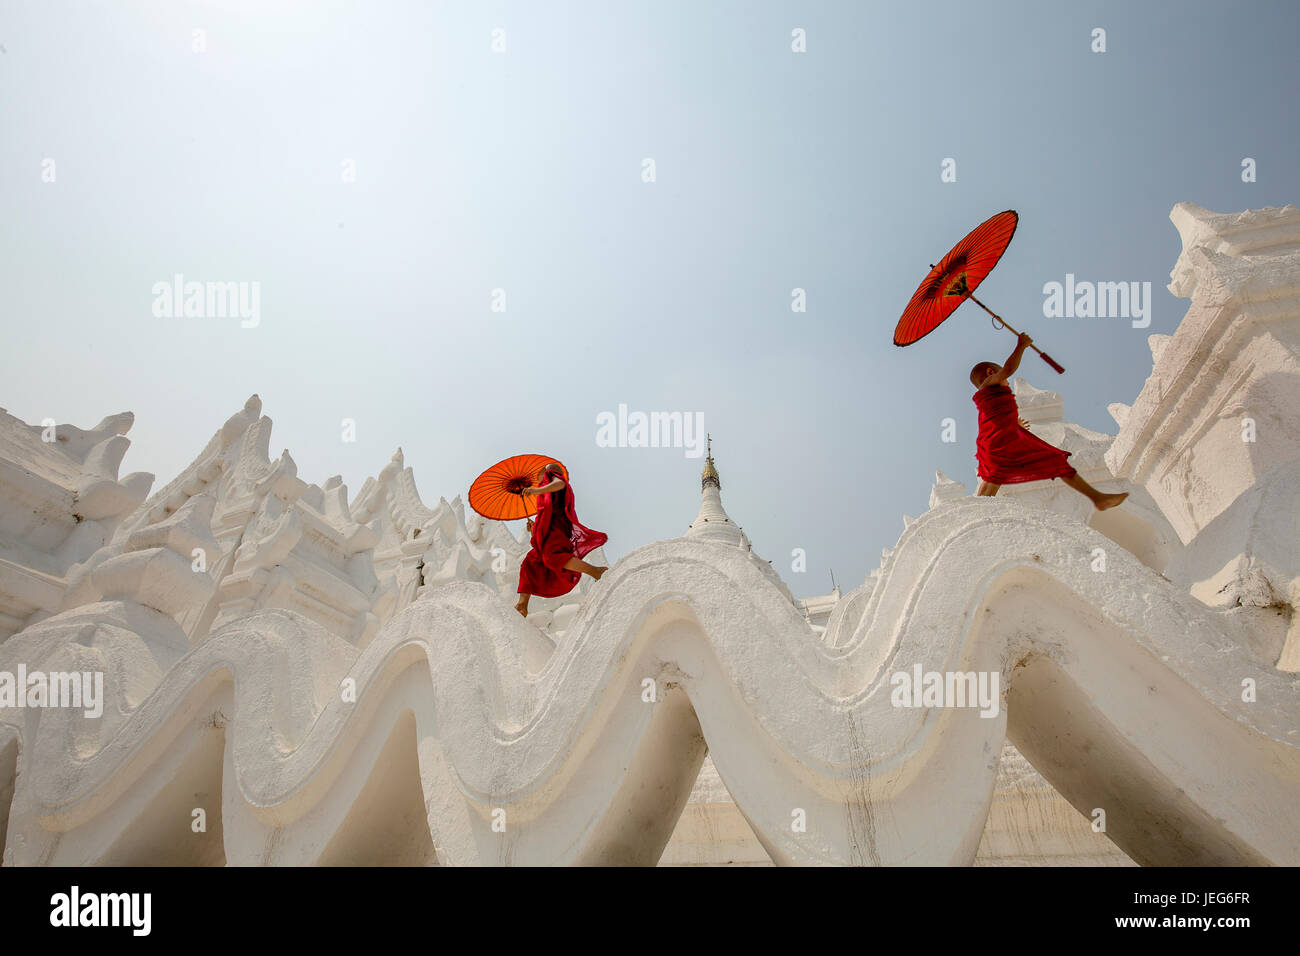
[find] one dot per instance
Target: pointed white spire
(713, 523)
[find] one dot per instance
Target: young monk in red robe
(1008, 453)
(554, 565)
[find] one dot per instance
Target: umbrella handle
(1002, 322)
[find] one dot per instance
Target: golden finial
(710, 474)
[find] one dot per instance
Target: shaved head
(982, 371)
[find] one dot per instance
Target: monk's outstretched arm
(555, 485)
(1013, 361)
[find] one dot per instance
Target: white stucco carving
(343, 680)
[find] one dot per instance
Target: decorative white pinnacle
(713, 523)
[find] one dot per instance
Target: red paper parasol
(495, 493)
(955, 279)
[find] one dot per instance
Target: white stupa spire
(713, 523)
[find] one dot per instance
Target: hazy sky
(522, 170)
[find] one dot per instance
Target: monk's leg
(522, 605)
(577, 564)
(1101, 500)
(987, 489)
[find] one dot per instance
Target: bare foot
(522, 608)
(1109, 501)
(597, 572)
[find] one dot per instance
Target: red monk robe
(1007, 452)
(557, 537)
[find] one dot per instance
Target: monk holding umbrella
(555, 564)
(1007, 452)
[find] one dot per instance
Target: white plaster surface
(343, 680)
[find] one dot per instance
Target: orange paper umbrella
(495, 494)
(955, 279)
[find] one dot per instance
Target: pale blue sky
(522, 170)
